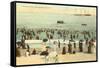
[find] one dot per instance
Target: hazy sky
(38, 8)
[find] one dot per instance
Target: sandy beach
(37, 59)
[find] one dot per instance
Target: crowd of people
(23, 34)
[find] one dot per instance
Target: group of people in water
(40, 34)
(71, 36)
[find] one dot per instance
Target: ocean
(41, 20)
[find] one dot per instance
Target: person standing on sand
(69, 48)
(64, 50)
(58, 43)
(86, 45)
(54, 46)
(80, 46)
(91, 46)
(74, 51)
(28, 48)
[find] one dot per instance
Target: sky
(37, 15)
(38, 8)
